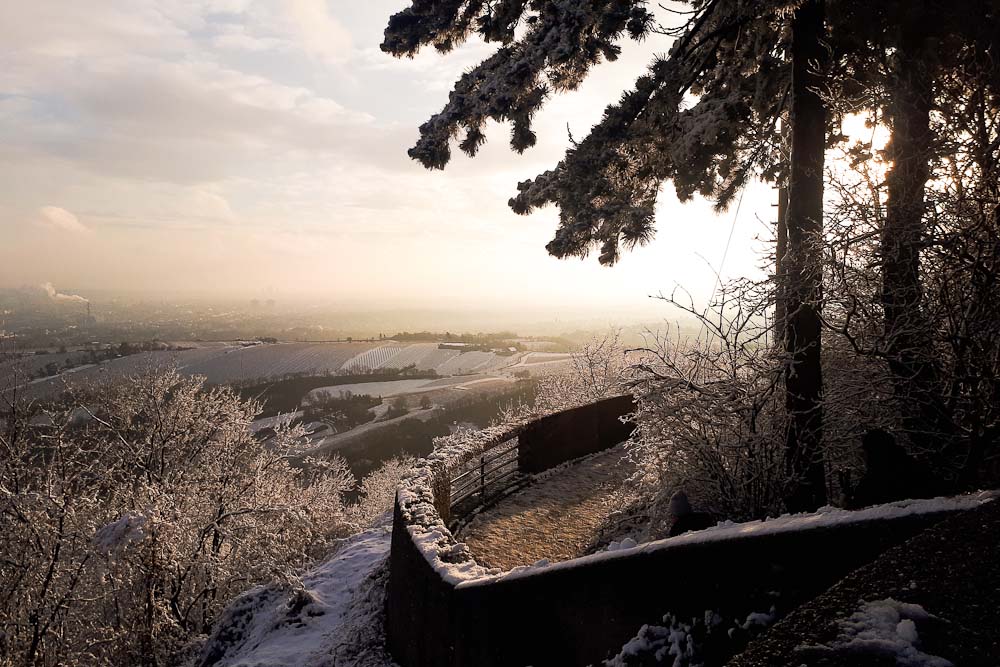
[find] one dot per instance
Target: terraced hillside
(225, 363)
(372, 359)
(413, 355)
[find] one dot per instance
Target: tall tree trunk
(803, 264)
(780, 248)
(907, 332)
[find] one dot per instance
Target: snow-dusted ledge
(423, 505)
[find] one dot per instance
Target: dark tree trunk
(908, 339)
(780, 248)
(803, 264)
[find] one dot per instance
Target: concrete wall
(583, 613)
(568, 435)
(424, 620)
(420, 606)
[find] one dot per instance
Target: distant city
(34, 318)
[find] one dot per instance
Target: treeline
(496, 339)
(342, 411)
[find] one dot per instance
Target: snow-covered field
(379, 357)
(223, 363)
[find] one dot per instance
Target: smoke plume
(57, 296)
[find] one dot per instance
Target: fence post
(441, 488)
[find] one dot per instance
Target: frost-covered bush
(709, 416)
(130, 515)
(595, 373)
(378, 490)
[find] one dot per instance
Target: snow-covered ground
(384, 389)
(885, 628)
(332, 616)
(223, 363)
(274, 422)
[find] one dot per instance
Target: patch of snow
(681, 643)
(670, 644)
(333, 613)
(627, 543)
(885, 628)
(759, 619)
(383, 389)
(283, 419)
(119, 534)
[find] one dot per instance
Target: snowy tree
(706, 118)
(801, 265)
(914, 243)
(933, 42)
(130, 516)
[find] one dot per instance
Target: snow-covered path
(554, 519)
(334, 618)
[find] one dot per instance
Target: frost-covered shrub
(710, 417)
(596, 373)
(378, 490)
(130, 515)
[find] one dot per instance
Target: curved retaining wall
(444, 610)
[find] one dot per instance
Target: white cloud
(239, 38)
(53, 217)
(320, 34)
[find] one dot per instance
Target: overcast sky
(252, 147)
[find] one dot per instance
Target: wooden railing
(485, 478)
